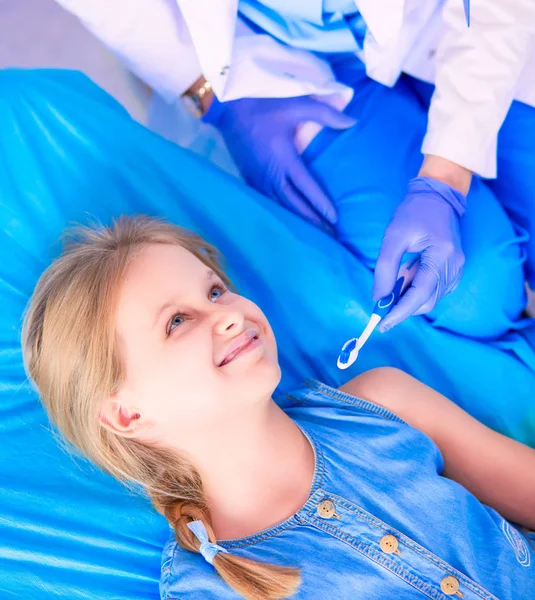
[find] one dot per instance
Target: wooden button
(327, 510)
(450, 586)
(389, 545)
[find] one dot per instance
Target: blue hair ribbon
(208, 549)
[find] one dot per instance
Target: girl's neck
(260, 476)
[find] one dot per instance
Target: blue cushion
(69, 153)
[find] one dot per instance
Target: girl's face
(196, 356)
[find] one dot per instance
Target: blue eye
(217, 291)
(175, 321)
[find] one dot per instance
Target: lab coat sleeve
(478, 70)
(149, 37)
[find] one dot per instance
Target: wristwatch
(193, 100)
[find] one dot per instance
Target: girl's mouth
(243, 343)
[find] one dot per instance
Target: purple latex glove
(259, 133)
(426, 222)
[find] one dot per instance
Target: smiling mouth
(230, 357)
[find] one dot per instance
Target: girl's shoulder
(351, 401)
(381, 402)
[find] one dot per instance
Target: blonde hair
(71, 354)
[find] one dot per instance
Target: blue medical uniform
(318, 25)
(369, 165)
(380, 520)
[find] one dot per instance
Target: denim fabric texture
(380, 520)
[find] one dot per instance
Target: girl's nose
(228, 321)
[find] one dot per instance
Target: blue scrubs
(515, 185)
(316, 25)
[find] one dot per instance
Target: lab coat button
(450, 586)
(389, 545)
(327, 510)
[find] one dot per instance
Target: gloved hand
(426, 222)
(259, 133)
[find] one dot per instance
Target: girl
(155, 369)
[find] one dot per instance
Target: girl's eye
(175, 321)
(217, 291)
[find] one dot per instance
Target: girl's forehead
(162, 265)
(156, 254)
(162, 273)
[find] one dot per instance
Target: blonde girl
(155, 369)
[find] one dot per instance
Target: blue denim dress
(380, 520)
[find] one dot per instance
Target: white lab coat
(478, 71)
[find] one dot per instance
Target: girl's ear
(120, 418)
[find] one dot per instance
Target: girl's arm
(499, 471)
